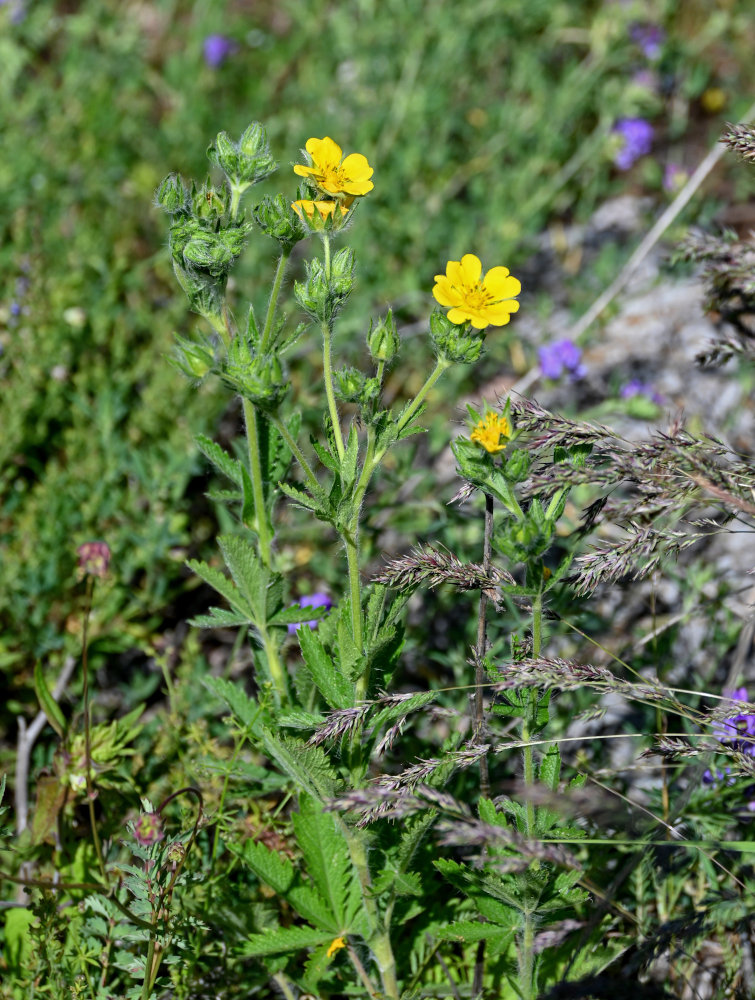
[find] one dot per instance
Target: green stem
(327, 363)
(526, 957)
(440, 366)
(379, 939)
(352, 558)
(295, 450)
(273, 303)
(88, 729)
(327, 371)
(255, 470)
(236, 193)
(276, 668)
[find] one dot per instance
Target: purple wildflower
(637, 135)
(216, 50)
(560, 357)
(739, 730)
(649, 38)
(94, 559)
(317, 600)
(637, 388)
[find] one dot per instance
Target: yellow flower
(482, 301)
(330, 175)
(492, 432)
(326, 209)
(336, 946)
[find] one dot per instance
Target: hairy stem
(481, 647)
(295, 450)
(273, 303)
(432, 378)
(327, 363)
(88, 728)
(255, 471)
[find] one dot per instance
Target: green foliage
(324, 822)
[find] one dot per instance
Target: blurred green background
(485, 122)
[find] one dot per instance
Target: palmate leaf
(494, 895)
(326, 854)
(471, 931)
(285, 940)
(219, 618)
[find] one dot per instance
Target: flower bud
(172, 195)
(195, 360)
(383, 339)
(454, 343)
(245, 162)
(277, 219)
(258, 378)
(320, 297)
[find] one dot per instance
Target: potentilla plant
(358, 890)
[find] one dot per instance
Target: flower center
(477, 296)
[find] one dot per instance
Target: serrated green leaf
(332, 685)
(307, 766)
(348, 468)
(327, 459)
(406, 707)
(549, 771)
(229, 466)
(248, 573)
(219, 618)
(325, 852)
(272, 867)
(297, 718)
(245, 709)
(470, 932)
(285, 940)
(48, 704)
(219, 582)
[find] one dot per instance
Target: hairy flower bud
(454, 343)
(172, 195)
(321, 297)
(258, 378)
(383, 339)
(277, 219)
(245, 162)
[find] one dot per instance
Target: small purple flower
(216, 50)
(637, 388)
(674, 177)
(317, 600)
(649, 38)
(739, 730)
(637, 135)
(560, 357)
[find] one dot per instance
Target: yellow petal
(455, 273)
(478, 320)
(500, 314)
(459, 315)
(357, 187)
(324, 152)
(501, 284)
(472, 268)
(303, 171)
(303, 205)
(357, 168)
(445, 293)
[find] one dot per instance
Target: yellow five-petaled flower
(333, 177)
(336, 946)
(487, 301)
(492, 432)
